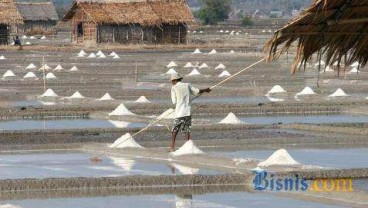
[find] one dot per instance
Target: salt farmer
(17, 41)
(180, 96)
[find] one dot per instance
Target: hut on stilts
(335, 30)
(10, 20)
(129, 21)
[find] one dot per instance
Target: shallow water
(215, 200)
(65, 124)
(336, 158)
(239, 100)
(64, 165)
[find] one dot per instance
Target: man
(180, 96)
(17, 41)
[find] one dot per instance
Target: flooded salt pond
(336, 158)
(65, 124)
(64, 165)
(215, 200)
(313, 119)
(239, 100)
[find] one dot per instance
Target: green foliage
(214, 11)
(247, 21)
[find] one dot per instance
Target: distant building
(10, 20)
(129, 21)
(39, 18)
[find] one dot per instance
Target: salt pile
(280, 157)
(231, 118)
(306, 91)
(29, 75)
(225, 74)
(126, 141)
(276, 89)
(188, 65)
(8, 73)
(28, 43)
(43, 37)
(102, 56)
(168, 114)
(189, 148)
(50, 75)
(32, 38)
(99, 53)
(82, 52)
(24, 37)
(45, 67)
(49, 93)
(106, 97)
(77, 95)
(125, 164)
(92, 55)
(221, 31)
(116, 56)
(186, 170)
(339, 93)
(232, 52)
(354, 71)
(171, 64)
(142, 99)
(227, 31)
(31, 66)
(58, 68)
(355, 64)
(171, 71)
(212, 52)
(195, 72)
(322, 64)
(2, 57)
(74, 68)
(113, 54)
(204, 65)
(197, 51)
(221, 66)
(327, 69)
(121, 110)
(9, 206)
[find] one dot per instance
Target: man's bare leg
(187, 136)
(173, 139)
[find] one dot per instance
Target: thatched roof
(337, 28)
(9, 13)
(143, 12)
(37, 11)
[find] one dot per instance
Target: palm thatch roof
(336, 30)
(37, 11)
(9, 13)
(143, 12)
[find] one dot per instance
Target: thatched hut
(39, 18)
(336, 30)
(129, 21)
(9, 20)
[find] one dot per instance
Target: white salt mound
(74, 68)
(232, 52)
(354, 71)
(171, 64)
(99, 53)
(24, 37)
(195, 72)
(197, 51)
(322, 64)
(168, 114)
(106, 97)
(92, 55)
(276, 89)
(113, 54)
(231, 118)
(102, 56)
(339, 93)
(45, 67)
(327, 69)
(306, 91)
(43, 37)
(116, 56)
(9, 206)
(142, 99)
(121, 110)
(49, 93)
(225, 74)
(77, 95)
(280, 157)
(188, 65)
(355, 64)
(171, 71)
(9, 73)
(212, 52)
(32, 38)
(28, 43)
(189, 148)
(82, 53)
(30, 75)
(126, 141)
(81, 56)
(50, 75)
(58, 68)
(204, 65)
(221, 66)
(2, 57)
(31, 66)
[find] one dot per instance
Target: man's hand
(205, 90)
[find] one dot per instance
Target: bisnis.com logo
(264, 181)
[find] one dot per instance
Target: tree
(247, 21)
(215, 11)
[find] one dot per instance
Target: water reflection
(183, 201)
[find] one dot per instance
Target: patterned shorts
(184, 124)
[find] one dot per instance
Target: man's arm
(205, 90)
(173, 96)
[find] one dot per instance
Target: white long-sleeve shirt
(180, 96)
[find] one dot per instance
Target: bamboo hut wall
(4, 34)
